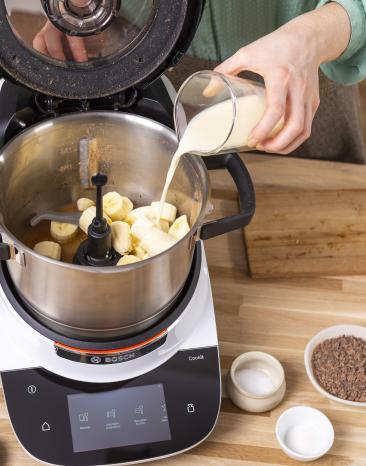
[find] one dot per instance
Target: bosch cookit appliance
(101, 364)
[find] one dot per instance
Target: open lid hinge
(54, 106)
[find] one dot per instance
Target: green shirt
(228, 25)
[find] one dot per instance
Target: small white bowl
(304, 433)
(331, 332)
(256, 360)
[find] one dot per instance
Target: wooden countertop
(277, 316)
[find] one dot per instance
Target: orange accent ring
(116, 351)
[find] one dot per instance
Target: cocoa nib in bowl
(339, 366)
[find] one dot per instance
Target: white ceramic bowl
(263, 362)
(304, 433)
(331, 332)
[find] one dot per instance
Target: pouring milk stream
(220, 127)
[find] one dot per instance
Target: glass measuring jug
(215, 113)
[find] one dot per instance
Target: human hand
(51, 42)
(289, 60)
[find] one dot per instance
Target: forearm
(327, 31)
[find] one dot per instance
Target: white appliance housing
(50, 399)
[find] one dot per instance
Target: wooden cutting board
(308, 226)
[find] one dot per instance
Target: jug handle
(238, 171)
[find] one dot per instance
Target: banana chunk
(146, 211)
(63, 232)
(135, 214)
(84, 203)
(180, 228)
(156, 242)
(116, 206)
(140, 253)
(163, 226)
(121, 237)
(141, 227)
(169, 212)
(87, 218)
(48, 249)
(127, 260)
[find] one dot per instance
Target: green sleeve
(350, 67)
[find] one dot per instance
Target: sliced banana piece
(169, 212)
(163, 225)
(121, 237)
(140, 253)
(88, 216)
(84, 203)
(180, 228)
(127, 260)
(116, 206)
(135, 241)
(48, 249)
(156, 242)
(145, 211)
(141, 227)
(63, 232)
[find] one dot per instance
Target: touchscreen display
(123, 417)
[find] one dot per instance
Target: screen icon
(140, 410)
(112, 414)
(84, 417)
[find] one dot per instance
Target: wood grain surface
(305, 234)
(275, 315)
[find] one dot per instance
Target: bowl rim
(288, 450)
(43, 127)
(308, 352)
(251, 355)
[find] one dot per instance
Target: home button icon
(46, 427)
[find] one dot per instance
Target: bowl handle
(9, 251)
(244, 185)
(5, 252)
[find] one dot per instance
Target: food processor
(102, 364)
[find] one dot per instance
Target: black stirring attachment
(97, 250)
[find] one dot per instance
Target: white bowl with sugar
(304, 433)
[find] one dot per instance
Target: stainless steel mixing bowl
(39, 171)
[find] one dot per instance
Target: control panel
(64, 422)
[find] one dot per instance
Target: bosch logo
(96, 360)
(126, 357)
(119, 358)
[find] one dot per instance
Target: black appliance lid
(86, 49)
